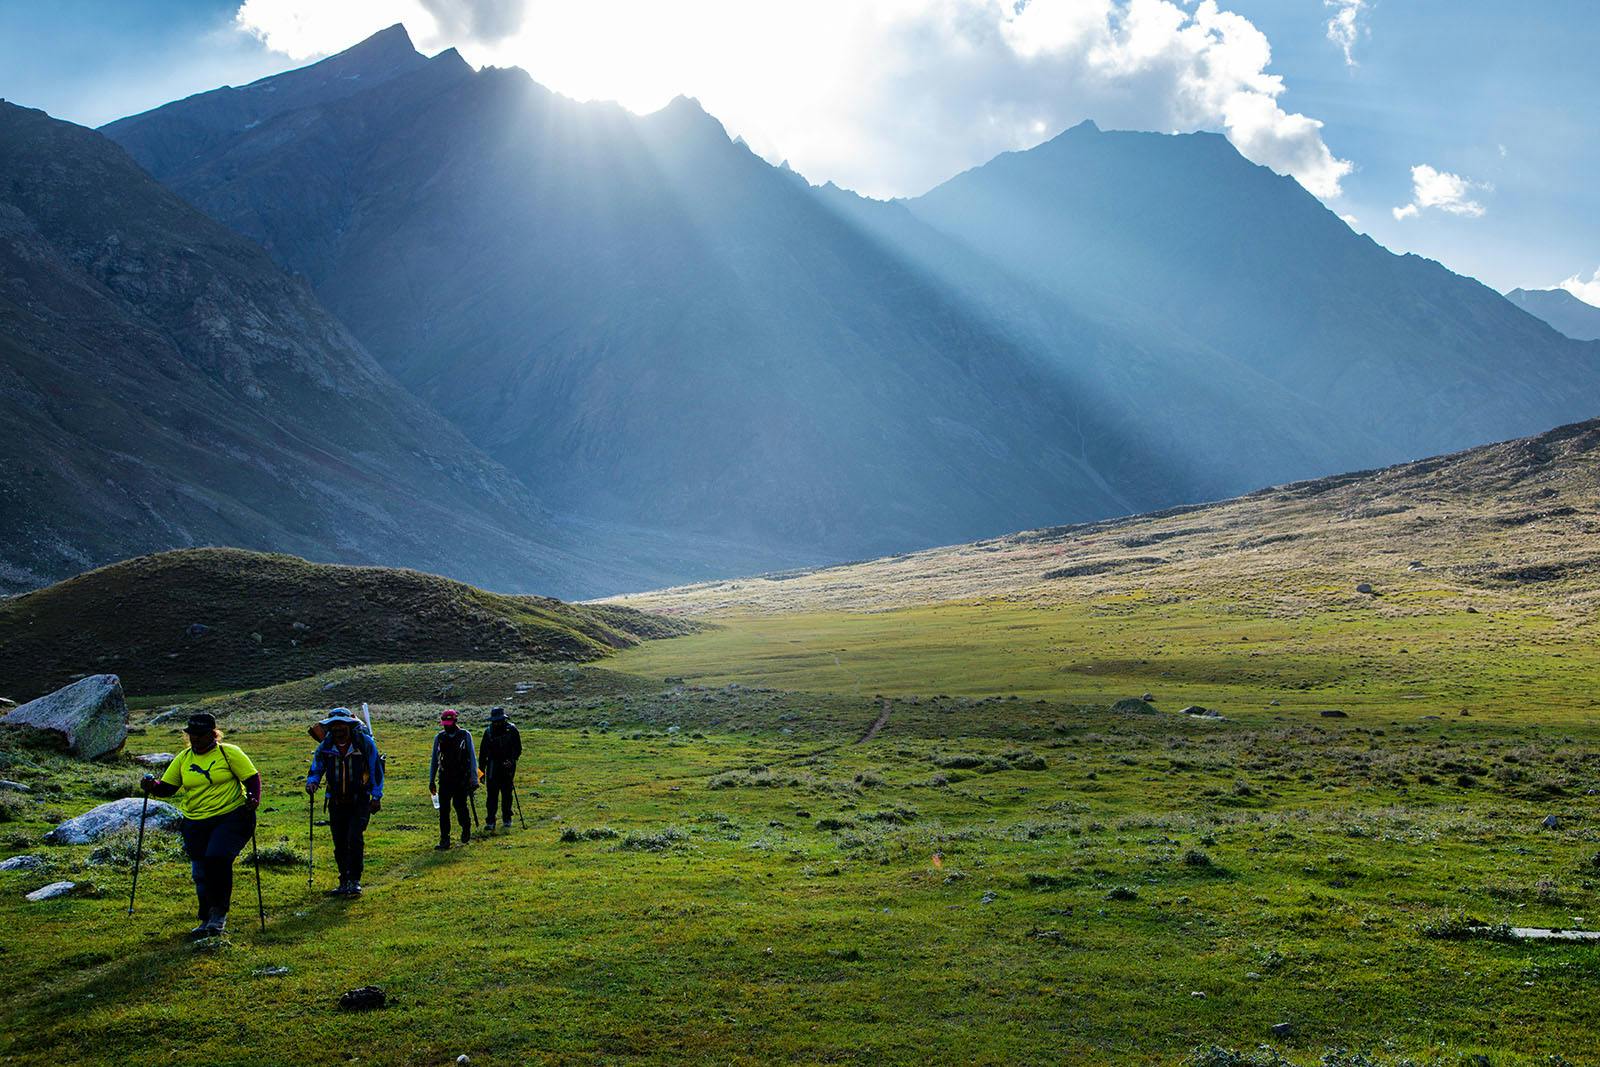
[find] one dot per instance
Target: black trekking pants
(499, 786)
(211, 844)
(348, 820)
(463, 816)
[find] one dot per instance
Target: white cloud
(1587, 291)
(1345, 27)
(1443, 190)
(888, 97)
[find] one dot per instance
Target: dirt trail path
(877, 724)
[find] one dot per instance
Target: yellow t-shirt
(208, 785)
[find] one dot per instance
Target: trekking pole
(473, 796)
(517, 799)
(138, 851)
(311, 837)
(261, 906)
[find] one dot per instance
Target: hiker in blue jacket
(452, 776)
(348, 758)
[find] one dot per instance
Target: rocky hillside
(208, 619)
(164, 384)
(1508, 525)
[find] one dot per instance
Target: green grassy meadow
(727, 869)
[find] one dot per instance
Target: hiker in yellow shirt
(218, 791)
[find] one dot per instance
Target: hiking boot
(354, 890)
(466, 835)
(215, 925)
(488, 827)
(203, 930)
(340, 890)
(441, 846)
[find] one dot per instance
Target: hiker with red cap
(452, 776)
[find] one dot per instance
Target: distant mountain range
(657, 332)
(1571, 316)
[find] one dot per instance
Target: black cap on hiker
(200, 723)
(497, 713)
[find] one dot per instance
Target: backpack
(454, 765)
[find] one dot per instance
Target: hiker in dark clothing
(452, 776)
(218, 790)
(348, 758)
(498, 755)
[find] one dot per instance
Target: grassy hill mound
(207, 619)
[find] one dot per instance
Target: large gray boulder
(108, 818)
(88, 718)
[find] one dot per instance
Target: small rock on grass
(1334, 713)
(53, 890)
(22, 863)
(1550, 822)
(366, 998)
(1282, 1029)
(154, 759)
(270, 972)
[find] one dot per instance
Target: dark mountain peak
(450, 58)
(170, 137)
(1565, 313)
(391, 40)
(1086, 128)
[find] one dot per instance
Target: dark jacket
(353, 775)
(454, 766)
(501, 748)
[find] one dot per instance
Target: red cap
(448, 716)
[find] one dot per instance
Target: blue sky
(1458, 129)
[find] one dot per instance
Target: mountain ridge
(1563, 311)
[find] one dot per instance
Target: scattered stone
(1274, 703)
(1282, 1029)
(367, 998)
(196, 630)
(15, 787)
(270, 972)
(464, 1059)
(1333, 713)
(154, 759)
(987, 898)
(51, 891)
(1471, 610)
(1550, 822)
(1201, 712)
(1364, 587)
(7, 702)
(172, 714)
(1148, 698)
(300, 628)
(110, 817)
(23, 863)
(1197, 994)
(88, 718)
(1133, 706)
